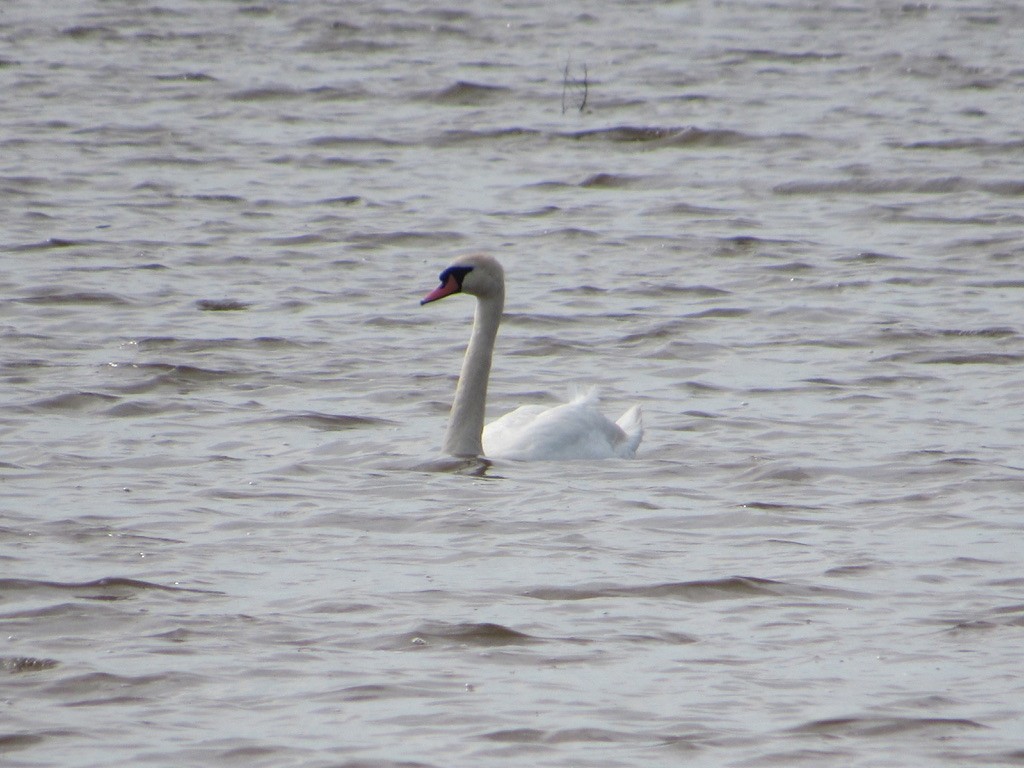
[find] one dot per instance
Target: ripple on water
(738, 587)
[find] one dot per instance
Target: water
(792, 232)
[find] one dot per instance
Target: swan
(573, 430)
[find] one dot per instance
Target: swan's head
(478, 275)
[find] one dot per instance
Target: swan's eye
(459, 273)
(451, 282)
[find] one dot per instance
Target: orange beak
(447, 288)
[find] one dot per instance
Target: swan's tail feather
(632, 423)
(580, 394)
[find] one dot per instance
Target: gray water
(792, 231)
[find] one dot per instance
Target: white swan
(574, 430)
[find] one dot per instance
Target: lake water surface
(793, 232)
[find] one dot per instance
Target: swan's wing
(632, 425)
(575, 430)
(502, 435)
(518, 418)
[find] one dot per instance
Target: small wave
(187, 77)
(465, 93)
(64, 298)
(182, 378)
(1003, 188)
(14, 741)
(741, 245)
(850, 570)
(48, 243)
(1011, 616)
(266, 93)
(980, 358)
(671, 329)
(582, 290)
(884, 726)
(722, 312)
(104, 687)
(672, 136)
(760, 54)
(204, 345)
(999, 284)
(294, 240)
(702, 388)
(136, 409)
(997, 332)
(233, 199)
(74, 401)
(331, 93)
(661, 638)
(330, 43)
(343, 200)
(869, 257)
(172, 160)
(566, 233)
(483, 634)
(88, 32)
(107, 588)
(933, 186)
(792, 266)
(329, 422)
(674, 289)
(562, 736)
(221, 305)
(732, 588)
(378, 692)
(983, 146)
(18, 664)
(888, 381)
(687, 209)
(321, 161)
(778, 472)
(610, 181)
(464, 136)
(516, 735)
(402, 237)
(543, 346)
(775, 507)
(335, 142)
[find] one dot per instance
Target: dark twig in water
(580, 87)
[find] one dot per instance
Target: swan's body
(573, 430)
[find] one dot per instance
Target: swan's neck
(466, 424)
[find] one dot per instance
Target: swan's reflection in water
(476, 466)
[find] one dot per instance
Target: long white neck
(466, 424)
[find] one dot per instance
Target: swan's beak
(447, 288)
